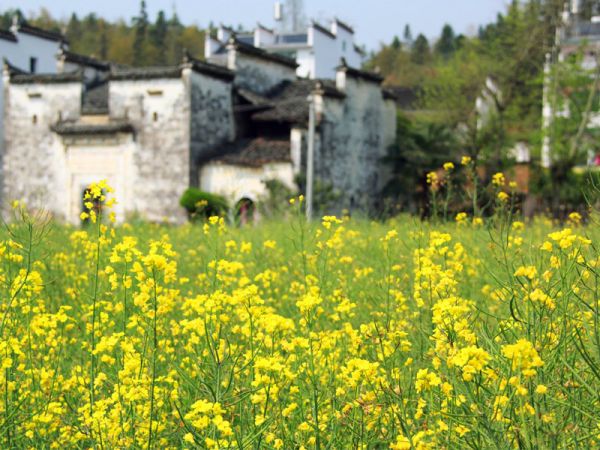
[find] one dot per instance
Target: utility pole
(310, 155)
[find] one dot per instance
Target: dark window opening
(154, 116)
(245, 211)
(32, 64)
(34, 119)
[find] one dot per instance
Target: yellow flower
(432, 178)
(503, 196)
(448, 166)
(466, 160)
(498, 179)
(575, 218)
(526, 271)
(461, 217)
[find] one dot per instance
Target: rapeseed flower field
(343, 333)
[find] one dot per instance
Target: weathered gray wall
(33, 162)
(354, 138)
(257, 74)
(162, 154)
(211, 121)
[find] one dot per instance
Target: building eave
(260, 53)
(145, 73)
(8, 36)
(80, 129)
(41, 33)
(323, 30)
(46, 78)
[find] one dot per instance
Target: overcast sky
(375, 21)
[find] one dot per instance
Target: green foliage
(325, 197)
(200, 204)
(419, 148)
(576, 191)
(446, 45)
(275, 203)
(420, 51)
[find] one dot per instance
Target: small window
(34, 119)
(343, 46)
(155, 116)
(32, 64)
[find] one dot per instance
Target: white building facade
(317, 50)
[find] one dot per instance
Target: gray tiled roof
(405, 97)
(41, 33)
(260, 53)
(145, 73)
(288, 100)
(45, 78)
(356, 73)
(7, 36)
(85, 60)
(254, 152)
(78, 128)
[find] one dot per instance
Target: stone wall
(159, 110)
(33, 166)
(212, 123)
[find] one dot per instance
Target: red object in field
(597, 159)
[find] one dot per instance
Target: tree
(396, 44)
(103, 41)
(408, 38)
(420, 50)
(446, 45)
(158, 37)
(73, 28)
(139, 43)
(420, 146)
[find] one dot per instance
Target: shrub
(200, 204)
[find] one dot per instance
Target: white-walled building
(317, 50)
(153, 132)
(29, 49)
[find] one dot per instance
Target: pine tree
(420, 50)
(396, 44)
(103, 50)
(447, 42)
(139, 43)
(158, 37)
(173, 44)
(408, 38)
(73, 28)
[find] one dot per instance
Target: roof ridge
(251, 49)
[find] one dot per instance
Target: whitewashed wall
(325, 53)
(238, 182)
(33, 166)
(161, 160)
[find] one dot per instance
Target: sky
(375, 21)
